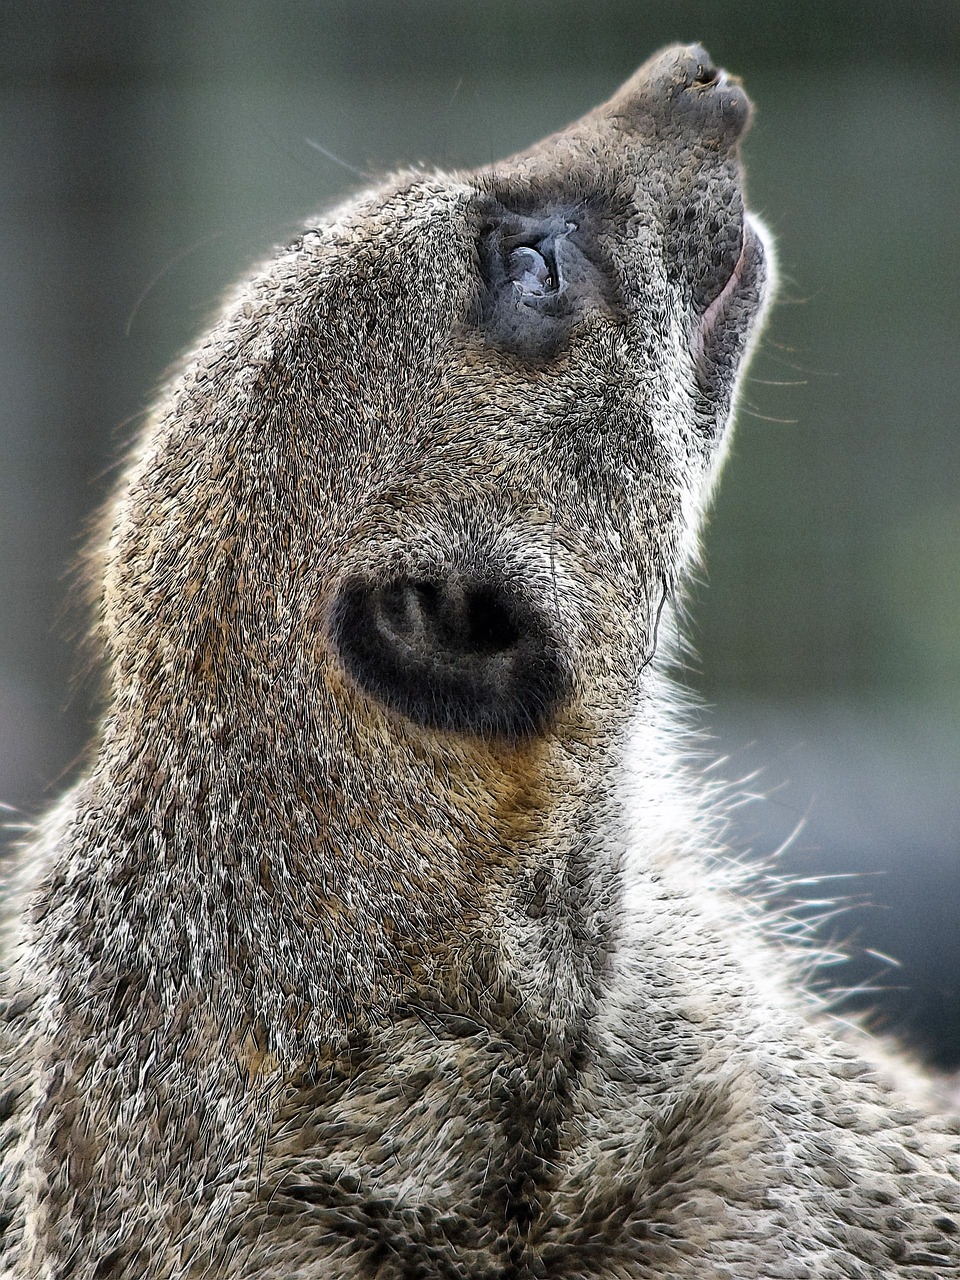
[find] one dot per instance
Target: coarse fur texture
(387, 934)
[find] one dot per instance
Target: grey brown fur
(326, 973)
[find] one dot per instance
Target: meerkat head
(383, 579)
(553, 407)
(440, 464)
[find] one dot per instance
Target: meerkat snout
(463, 654)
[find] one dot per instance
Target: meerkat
(387, 933)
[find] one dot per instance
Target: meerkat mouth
(743, 287)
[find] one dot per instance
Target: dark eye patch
(537, 280)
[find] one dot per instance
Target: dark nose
(458, 653)
(681, 89)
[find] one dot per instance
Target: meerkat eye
(537, 277)
(530, 271)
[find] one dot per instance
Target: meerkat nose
(680, 89)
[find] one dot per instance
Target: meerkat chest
(446, 1142)
(476, 1143)
(445, 1133)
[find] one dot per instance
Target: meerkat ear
(457, 654)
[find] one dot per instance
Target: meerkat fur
(388, 932)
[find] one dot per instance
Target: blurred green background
(150, 153)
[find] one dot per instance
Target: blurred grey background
(150, 152)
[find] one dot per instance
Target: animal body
(386, 933)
